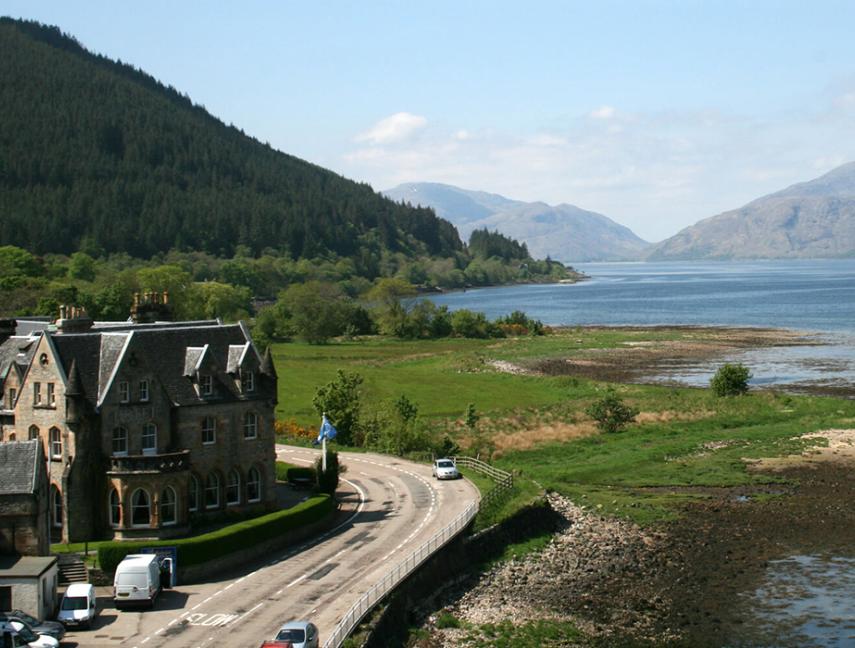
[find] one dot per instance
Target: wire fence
(504, 483)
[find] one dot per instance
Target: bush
(447, 620)
(327, 481)
(730, 380)
(235, 538)
(611, 413)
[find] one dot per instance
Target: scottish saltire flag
(327, 431)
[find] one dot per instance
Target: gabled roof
(167, 352)
(16, 350)
(19, 467)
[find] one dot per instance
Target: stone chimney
(7, 329)
(150, 307)
(73, 319)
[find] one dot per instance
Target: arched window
(56, 506)
(212, 491)
(55, 443)
(233, 487)
(140, 508)
(250, 425)
(120, 441)
(253, 485)
(167, 507)
(149, 438)
(115, 508)
(193, 494)
(34, 432)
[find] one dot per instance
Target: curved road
(389, 508)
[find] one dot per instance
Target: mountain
(562, 232)
(99, 155)
(809, 219)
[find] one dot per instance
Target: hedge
(236, 537)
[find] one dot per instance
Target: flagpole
(324, 449)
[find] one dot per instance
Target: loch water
(804, 600)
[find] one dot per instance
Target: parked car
(301, 634)
(16, 634)
(51, 628)
(137, 580)
(79, 605)
(445, 469)
(272, 643)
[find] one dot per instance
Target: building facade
(146, 425)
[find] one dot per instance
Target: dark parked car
(51, 628)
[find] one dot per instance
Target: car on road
(79, 605)
(301, 634)
(272, 643)
(16, 634)
(50, 628)
(137, 580)
(445, 469)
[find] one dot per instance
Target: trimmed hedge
(236, 537)
(301, 474)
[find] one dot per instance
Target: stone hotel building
(145, 425)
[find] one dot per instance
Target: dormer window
(206, 385)
(124, 392)
(247, 379)
(143, 391)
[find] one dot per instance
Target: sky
(656, 114)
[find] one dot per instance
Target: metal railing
(398, 573)
(504, 483)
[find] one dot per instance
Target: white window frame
(149, 430)
(55, 438)
(215, 489)
(134, 507)
(162, 506)
(247, 380)
(233, 486)
(114, 504)
(116, 437)
(206, 385)
(206, 429)
(257, 481)
(124, 391)
(144, 391)
(13, 393)
(55, 507)
(193, 494)
(250, 426)
(51, 395)
(37, 393)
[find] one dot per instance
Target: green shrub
(611, 413)
(447, 620)
(730, 380)
(301, 473)
(327, 481)
(237, 537)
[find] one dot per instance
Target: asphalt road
(389, 508)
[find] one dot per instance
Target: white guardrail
(407, 566)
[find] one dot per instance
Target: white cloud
(394, 128)
(603, 112)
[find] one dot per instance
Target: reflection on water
(804, 601)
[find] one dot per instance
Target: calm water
(804, 600)
(817, 296)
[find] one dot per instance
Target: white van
(15, 634)
(79, 605)
(137, 580)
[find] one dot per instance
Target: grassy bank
(685, 441)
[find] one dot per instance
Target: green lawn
(687, 438)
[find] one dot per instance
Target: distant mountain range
(562, 232)
(807, 220)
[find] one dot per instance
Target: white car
(301, 634)
(445, 469)
(17, 634)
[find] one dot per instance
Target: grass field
(685, 439)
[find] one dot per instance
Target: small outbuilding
(29, 583)
(23, 499)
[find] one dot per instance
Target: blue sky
(656, 114)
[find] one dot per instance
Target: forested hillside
(99, 156)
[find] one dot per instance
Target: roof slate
(18, 467)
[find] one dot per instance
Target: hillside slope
(562, 232)
(98, 154)
(810, 219)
